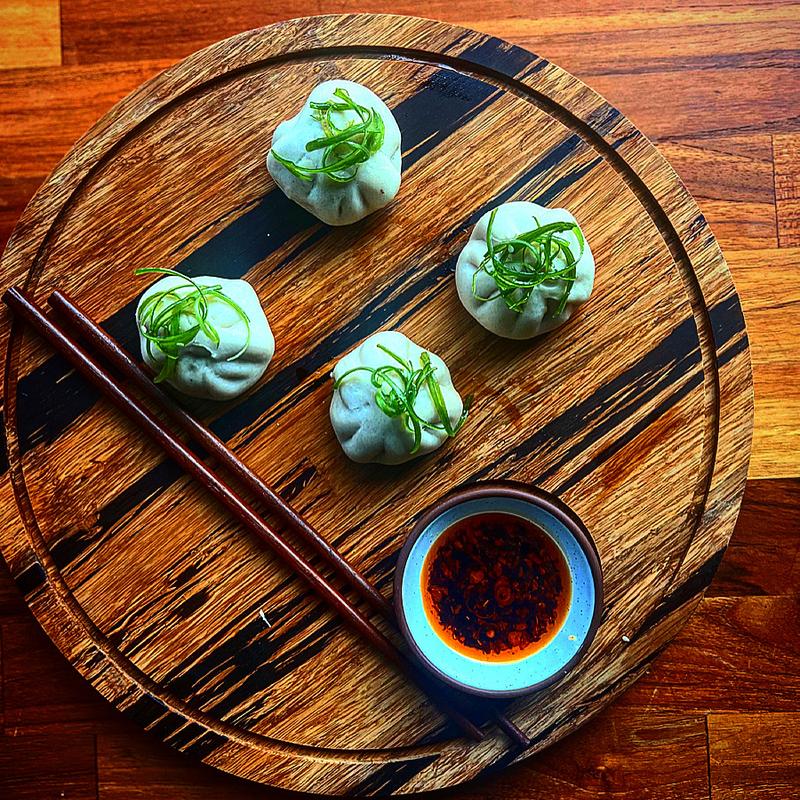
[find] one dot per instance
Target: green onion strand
(397, 387)
(163, 317)
(520, 264)
(345, 149)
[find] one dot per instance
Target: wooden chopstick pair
(86, 364)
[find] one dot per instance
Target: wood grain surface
(739, 202)
(146, 585)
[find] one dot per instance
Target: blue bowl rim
(527, 493)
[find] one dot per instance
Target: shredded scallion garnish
(345, 149)
(397, 387)
(520, 264)
(171, 319)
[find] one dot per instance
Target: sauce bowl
(535, 670)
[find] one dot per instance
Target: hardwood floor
(717, 86)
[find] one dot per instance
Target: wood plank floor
(717, 85)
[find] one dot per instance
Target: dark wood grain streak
(61, 408)
(145, 488)
(244, 242)
(632, 748)
(153, 592)
(662, 360)
(108, 350)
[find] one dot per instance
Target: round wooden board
(638, 413)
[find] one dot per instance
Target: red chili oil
(496, 587)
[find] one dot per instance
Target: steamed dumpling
(540, 312)
(365, 431)
(204, 367)
(374, 182)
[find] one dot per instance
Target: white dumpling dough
(365, 433)
(377, 180)
(536, 316)
(203, 369)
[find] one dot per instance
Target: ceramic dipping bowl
(529, 672)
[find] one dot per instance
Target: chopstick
(83, 325)
(27, 309)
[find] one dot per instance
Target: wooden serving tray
(637, 413)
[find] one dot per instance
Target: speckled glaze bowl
(536, 670)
